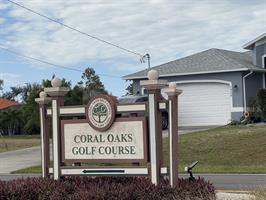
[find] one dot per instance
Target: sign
(125, 141)
(100, 112)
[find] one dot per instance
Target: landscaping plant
(261, 100)
(122, 188)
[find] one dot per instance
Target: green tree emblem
(99, 112)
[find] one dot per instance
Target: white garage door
(203, 104)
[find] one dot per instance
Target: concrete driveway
(185, 130)
(15, 160)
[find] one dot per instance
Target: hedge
(101, 188)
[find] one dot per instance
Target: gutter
(244, 89)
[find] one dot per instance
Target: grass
(11, 143)
(229, 149)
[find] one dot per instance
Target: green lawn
(230, 149)
(18, 142)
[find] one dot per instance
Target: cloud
(10, 79)
(166, 29)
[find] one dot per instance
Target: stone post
(45, 145)
(153, 87)
(57, 93)
(173, 93)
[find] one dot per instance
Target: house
(217, 84)
(5, 103)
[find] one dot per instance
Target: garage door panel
(204, 104)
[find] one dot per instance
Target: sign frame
(107, 160)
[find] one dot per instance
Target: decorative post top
(56, 90)
(172, 90)
(153, 81)
(43, 99)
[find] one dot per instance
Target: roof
(250, 44)
(209, 61)
(5, 103)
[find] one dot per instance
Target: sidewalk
(234, 196)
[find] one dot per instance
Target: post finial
(153, 75)
(172, 85)
(56, 82)
(42, 94)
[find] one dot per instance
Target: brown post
(153, 87)
(45, 145)
(57, 93)
(173, 93)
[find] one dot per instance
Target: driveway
(15, 160)
(185, 130)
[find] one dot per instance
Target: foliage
(129, 89)
(91, 83)
(1, 84)
(11, 121)
(260, 194)
(104, 188)
(261, 100)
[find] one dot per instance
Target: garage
(204, 103)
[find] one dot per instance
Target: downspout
(244, 89)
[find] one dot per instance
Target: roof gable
(5, 103)
(251, 44)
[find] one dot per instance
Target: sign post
(43, 102)
(57, 93)
(173, 93)
(153, 87)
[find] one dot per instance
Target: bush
(261, 101)
(84, 188)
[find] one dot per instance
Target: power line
(76, 30)
(49, 63)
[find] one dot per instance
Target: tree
(10, 121)
(129, 89)
(1, 84)
(91, 83)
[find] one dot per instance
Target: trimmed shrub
(261, 100)
(100, 188)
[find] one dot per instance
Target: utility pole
(146, 57)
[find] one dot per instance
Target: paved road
(14, 160)
(241, 182)
(228, 182)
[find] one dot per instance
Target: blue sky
(167, 29)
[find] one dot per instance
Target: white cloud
(10, 79)
(164, 28)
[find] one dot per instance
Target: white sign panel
(125, 140)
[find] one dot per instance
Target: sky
(166, 29)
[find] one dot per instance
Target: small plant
(260, 194)
(123, 188)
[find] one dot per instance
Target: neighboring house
(5, 103)
(217, 84)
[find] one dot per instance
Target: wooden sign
(125, 141)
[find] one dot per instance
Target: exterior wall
(234, 77)
(258, 52)
(253, 84)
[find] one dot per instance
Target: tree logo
(101, 112)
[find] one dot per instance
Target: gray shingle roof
(212, 60)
